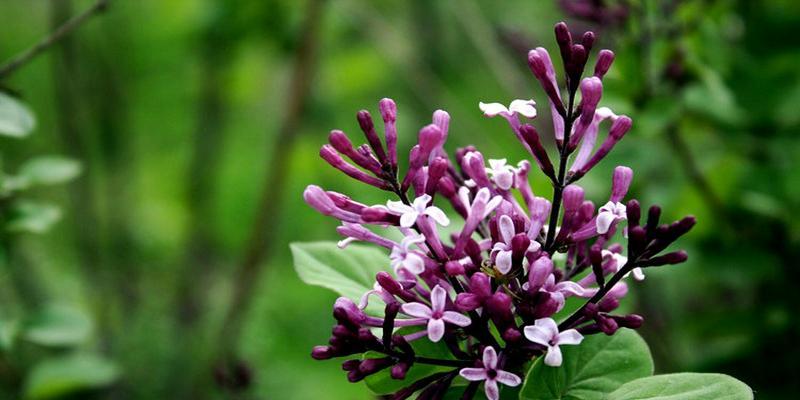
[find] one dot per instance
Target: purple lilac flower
(516, 258)
(490, 374)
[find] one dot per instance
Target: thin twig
(21, 59)
(262, 235)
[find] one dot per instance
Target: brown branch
(264, 229)
(22, 58)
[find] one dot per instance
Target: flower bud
(604, 60)
(389, 114)
(454, 268)
(620, 183)
(634, 213)
(322, 353)
(538, 273)
(400, 370)
(366, 124)
(676, 257)
(573, 198)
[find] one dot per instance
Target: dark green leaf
(591, 370)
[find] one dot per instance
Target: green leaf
(382, 382)
(349, 272)
(684, 386)
(591, 370)
(59, 326)
(32, 217)
(49, 170)
(64, 375)
(16, 120)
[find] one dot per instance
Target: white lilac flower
(522, 107)
(544, 331)
(410, 213)
(403, 256)
(501, 173)
(436, 314)
(609, 213)
(619, 261)
(490, 374)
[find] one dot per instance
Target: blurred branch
(61, 31)
(262, 236)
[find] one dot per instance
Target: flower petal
(438, 298)
(503, 261)
(570, 336)
(491, 205)
(408, 219)
(414, 263)
(537, 334)
(492, 391)
(492, 109)
(553, 357)
(473, 374)
(508, 379)
(435, 329)
(438, 215)
(523, 107)
(456, 318)
(504, 180)
(604, 221)
(398, 207)
(569, 287)
(506, 227)
(638, 274)
(489, 358)
(418, 310)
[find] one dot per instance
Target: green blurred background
(197, 124)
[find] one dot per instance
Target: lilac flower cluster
(492, 290)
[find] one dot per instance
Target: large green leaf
(591, 370)
(349, 272)
(58, 325)
(684, 386)
(16, 119)
(57, 377)
(49, 170)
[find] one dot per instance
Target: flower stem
(558, 186)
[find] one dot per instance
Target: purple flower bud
(480, 289)
(588, 40)
(604, 60)
(474, 166)
(608, 304)
(342, 144)
(539, 214)
(373, 365)
(573, 198)
(345, 311)
(436, 171)
(607, 325)
(400, 370)
(366, 124)
(354, 376)
(379, 215)
(620, 183)
(389, 115)
(590, 310)
(634, 212)
(538, 151)
(675, 257)
(653, 215)
(539, 271)
(320, 201)
(632, 321)
(441, 119)
(499, 309)
(637, 240)
(564, 40)
(538, 66)
(429, 137)
(350, 365)
(322, 353)
(512, 335)
(591, 92)
(388, 283)
(329, 154)
(454, 268)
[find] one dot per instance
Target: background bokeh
(197, 124)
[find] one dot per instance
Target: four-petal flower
(501, 173)
(410, 213)
(490, 374)
(544, 331)
(436, 315)
(404, 257)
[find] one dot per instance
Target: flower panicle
(517, 253)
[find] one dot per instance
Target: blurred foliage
(172, 109)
